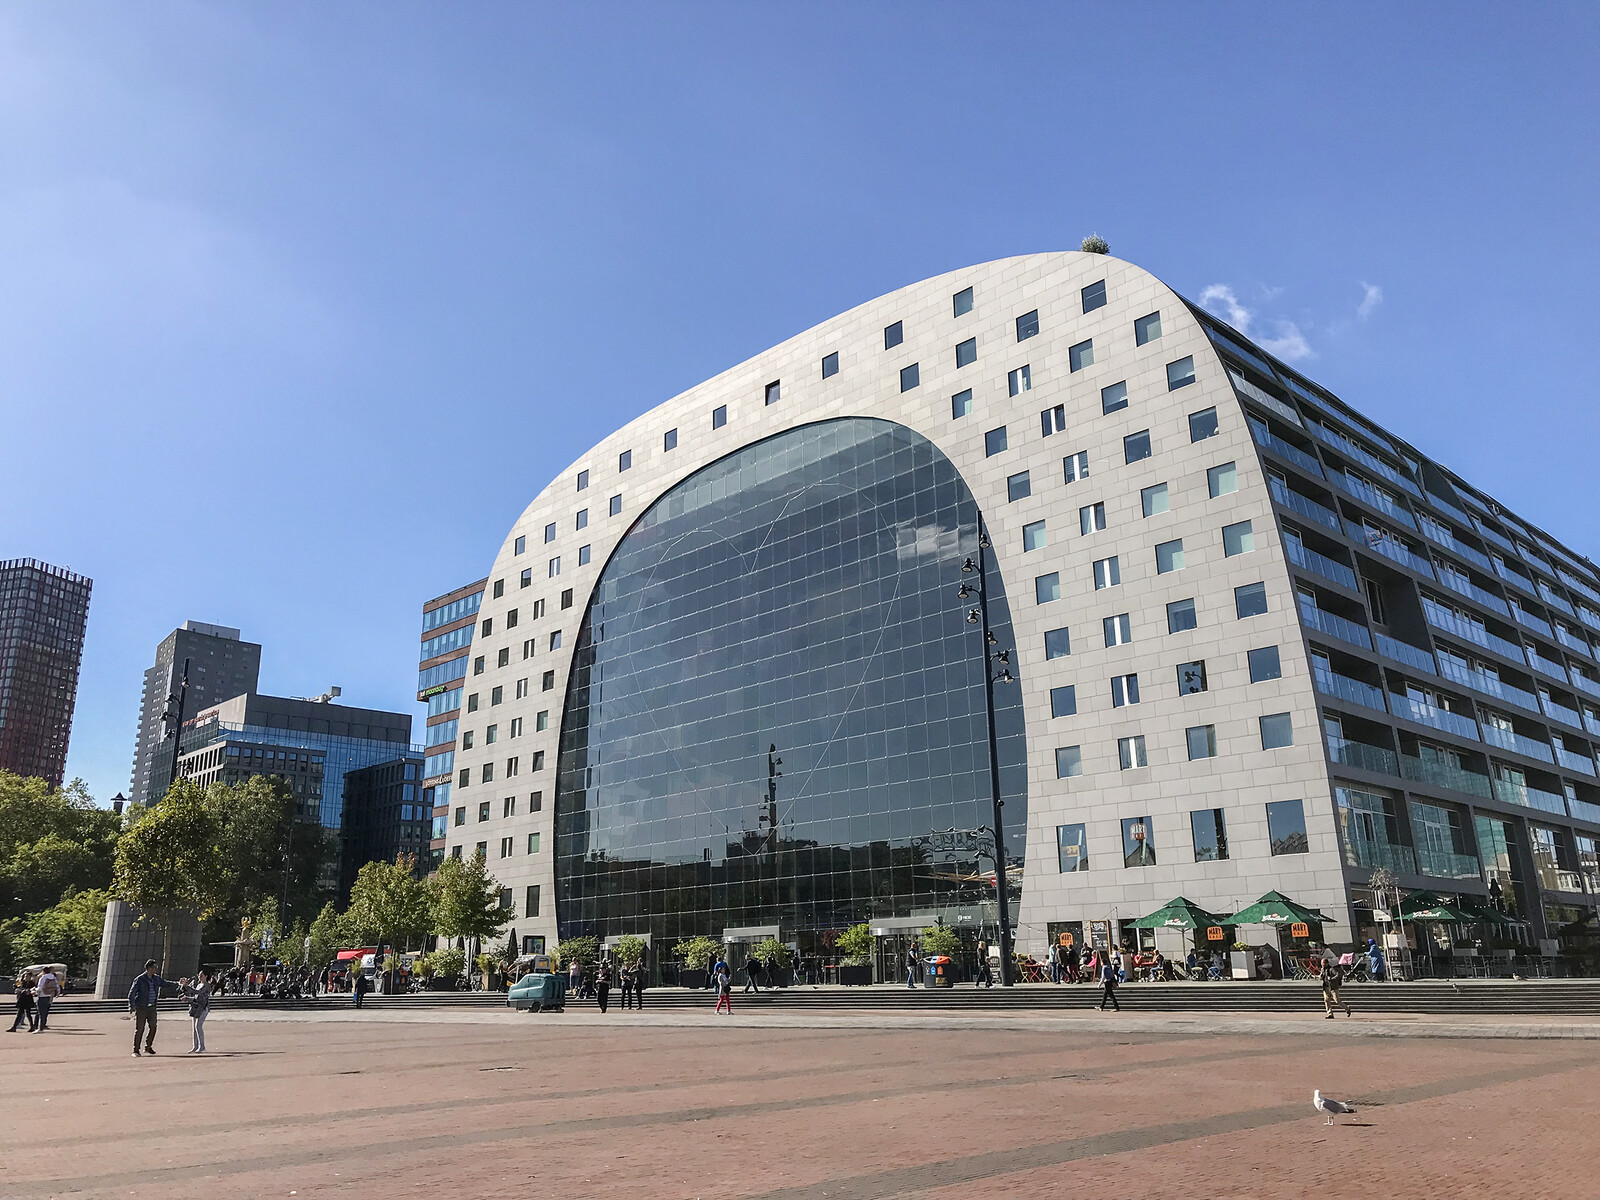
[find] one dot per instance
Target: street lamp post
(980, 616)
(172, 719)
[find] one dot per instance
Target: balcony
(1528, 620)
(1508, 792)
(1442, 618)
(1578, 585)
(1350, 449)
(1465, 586)
(1521, 582)
(1572, 761)
(1269, 440)
(1360, 490)
(1266, 399)
(1390, 548)
(1560, 712)
(1447, 864)
(1591, 721)
(1555, 599)
(1509, 739)
(1381, 854)
(1548, 666)
(1584, 684)
(1583, 810)
(1304, 505)
(1431, 715)
(1362, 756)
(1488, 685)
(1444, 775)
(1572, 641)
(1331, 683)
(1326, 622)
(1589, 617)
(1441, 536)
(1445, 506)
(1320, 564)
(1404, 652)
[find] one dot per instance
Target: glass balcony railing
(1320, 564)
(1362, 756)
(1554, 599)
(1509, 792)
(1444, 775)
(1271, 441)
(1360, 454)
(1447, 864)
(1465, 586)
(1591, 721)
(1442, 618)
(1583, 810)
(1360, 490)
(1520, 582)
(1561, 712)
(1390, 548)
(1424, 713)
(1404, 652)
(1578, 585)
(1381, 854)
(1538, 624)
(1572, 641)
(1509, 739)
(1266, 399)
(1499, 539)
(1548, 666)
(1589, 617)
(1331, 683)
(1305, 506)
(1445, 506)
(1573, 761)
(1584, 684)
(1326, 622)
(1441, 536)
(1488, 685)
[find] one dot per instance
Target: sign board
(1100, 934)
(1299, 929)
(433, 691)
(1214, 933)
(1065, 939)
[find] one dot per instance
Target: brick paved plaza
(494, 1104)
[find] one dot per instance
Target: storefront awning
(1180, 913)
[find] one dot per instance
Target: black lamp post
(172, 721)
(980, 616)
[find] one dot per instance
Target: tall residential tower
(43, 613)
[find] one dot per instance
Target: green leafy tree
(774, 955)
(388, 905)
(628, 950)
(941, 939)
(52, 841)
(69, 932)
(448, 964)
(582, 950)
(267, 850)
(697, 953)
(169, 862)
(327, 936)
(466, 900)
(856, 944)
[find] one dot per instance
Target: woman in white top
(198, 994)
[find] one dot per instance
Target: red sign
(1066, 939)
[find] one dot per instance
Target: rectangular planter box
(855, 976)
(690, 978)
(1243, 963)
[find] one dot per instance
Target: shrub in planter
(940, 939)
(628, 950)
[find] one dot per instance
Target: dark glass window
(893, 335)
(1210, 834)
(961, 302)
(583, 480)
(615, 507)
(624, 460)
(1136, 446)
(1250, 600)
(1277, 729)
(1202, 425)
(1064, 701)
(830, 364)
(1264, 664)
(1094, 296)
(966, 352)
(994, 441)
(1081, 355)
(1138, 846)
(961, 404)
(719, 416)
(1114, 397)
(1057, 643)
(521, 546)
(1202, 741)
(669, 440)
(1018, 486)
(1286, 827)
(1147, 329)
(1191, 677)
(1027, 325)
(910, 376)
(1180, 616)
(550, 532)
(774, 392)
(1180, 373)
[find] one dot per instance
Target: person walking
(25, 1008)
(602, 986)
(724, 987)
(985, 975)
(1108, 983)
(358, 986)
(1375, 964)
(1072, 962)
(198, 994)
(629, 976)
(142, 997)
(45, 990)
(752, 972)
(1332, 977)
(911, 965)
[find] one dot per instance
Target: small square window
(478, 665)
(536, 802)
(994, 442)
(1207, 827)
(615, 507)
(774, 392)
(1064, 701)
(583, 555)
(1033, 536)
(503, 659)
(1147, 329)
(1069, 762)
(1075, 466)
(1181, 616)
(1057, 643)
(1124, 690)
(910, 377)
(1091, 518)
(1081, 355)
(1028, 325)
(1020, 380)
(624, 461)
(1018, 487)
(1131, 753)
(496, 696)
(1180, 373)
(1118, 630)
(1202, 741)
(581, 520)
(1136, 446)
(893, 335)
(830, 365)
(1094, 296)
(472, 703)
(1114, 397)
(1286, 827)
(461, 816)
(719, 416)
(566, 598)
(483, 810)
(520, 546)
(1250, 600)
(1277, 729)
(1264, 664)
(466, 738)
(1191, 677)
(669, 440)
(583, 480)
(1153, 499)
(550, 532)
(961, 302)
(1169, 556)
(1238, 539)
(1222, 480)
(541, 722)
(1047, 587)
(555, 639)
(961, 405)
(966, 352)
(1107, 573)
(1202, 425)
(1053, 420)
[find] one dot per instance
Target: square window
(1091, 518)
(1202, 741)
(1136, 446)
(535, 801)
(527, 577)
(466, 739)
(1107, 573)
(1250, 600)
(1020, 380)
(961, 405)
(994, 442)
(1094, 296)
(550, 532)
(719, 416)
(488, 626)
(624, 460)
(1222, 480)
(1180, 373)
(583, 555)
(555, 639)
(1033, 536)
(1018, 487)
(1147, 329)
(1264, 664)
(503, 659)
(478, 665)
(669, 440)
(472, 703)
(830, 365)
(566, 600)
(547, 681)
(961, 302)
(1238, 539)
(910, 377)
(1057, 643)
(893, 335)
(774, 392)
(583, 480)
(1153, 500)
(966, 352)
(1124, 690)
(1047, 587)
(1081, 355)
(1286, 827)
(1118, 630)
(542, 720)
(1210, 833)
(1075, 466)
(1064, 701)
(615, 507)
(533, 848)
(483, 810)
(1277, 729)
(520, 546)
(1072, 848)
(1169, 556)
(1180, 616)
(1114, 397)
(1069, 762)
(461, 816)
(1202, 425)
(1027, 325)
(1192, 677)
(581, 521)
(497, 695)
(1130, 752)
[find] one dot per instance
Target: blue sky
(301, 304)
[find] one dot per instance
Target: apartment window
(1136, 446)
(1192, 677)
(550, 532)
(555, 639)
(719, 416)
(1047, 587)
(528, 647)
(538, 761)
(1202, 741)
(1147, 329)
(1118, 630)
(1072, 848)
(1210, 834)
(830, 365)
(1264, 664)
(1081, 355)
(994, 442)
(893, 335)
(966, 352)
(508, 847)
(1018, 486)
(533, 843)
(1075, 466)
(1094, 296)
(1092, 518)
(531, 905)
(584, 554)
(554, 567)
(461, 816)
(496, 694)
(669, 441)
(547, 681)
(1286, 827)
(1180, 373)
(1250, 600)
(488, 627)
(1107, 573)
(466, 777)
(1169, 556)
(624, 460)
(583, 480)
(1130, 752)
(1222, 480)
(527, 577)
(541, 722)
(1202, 425)
(961, 405)
(1277, 730)
(1238, 539)
(1153, 500)
(522, 685)
(483, 810)
(1180, 616)
(472, 703)
(511, 619)
(961, 302)
(773, 392)
(1028, 325)
(1375, 602)
(1057, 643)
(516, 727)
(910, 377)
(491, 735)
(1069, 762)
(1020, 380)
(1053, 420)
(566, 601)
(503, 658)
(535, 801)
(505, 894)
(1114, 397)
(614, 508)
(520, 545)
(466, 739)
(455, 851)
(1064, 701)
(1033, 537)
(477, 665)
(1124, 690)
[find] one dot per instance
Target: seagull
(1330, 1106)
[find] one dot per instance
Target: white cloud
(1219, 298)
(1372, 296)
(1290, 345)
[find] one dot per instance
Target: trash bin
(937, 971)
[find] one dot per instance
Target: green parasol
(1426, 906)
(1181, 913)
(1276, 909)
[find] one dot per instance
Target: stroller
(1356, 968)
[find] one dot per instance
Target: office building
(43, 613)
(448, 622)
(384, 816)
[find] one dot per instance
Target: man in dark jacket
(142, 997)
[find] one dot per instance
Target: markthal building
(1041, 528)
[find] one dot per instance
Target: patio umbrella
(1438, 910)
(1181, 913)
(1276, 909)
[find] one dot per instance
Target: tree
(169, 861)
(327, 936)
(697, 953)
(774, 955)
(67, 933)
(941, 939)
(1095, 244)
(268, 851)
(856, 944)
(628, 950)
(388, 904)
(52, 841)
(466, 900)
(581, 950)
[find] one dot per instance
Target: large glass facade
(776, 695)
